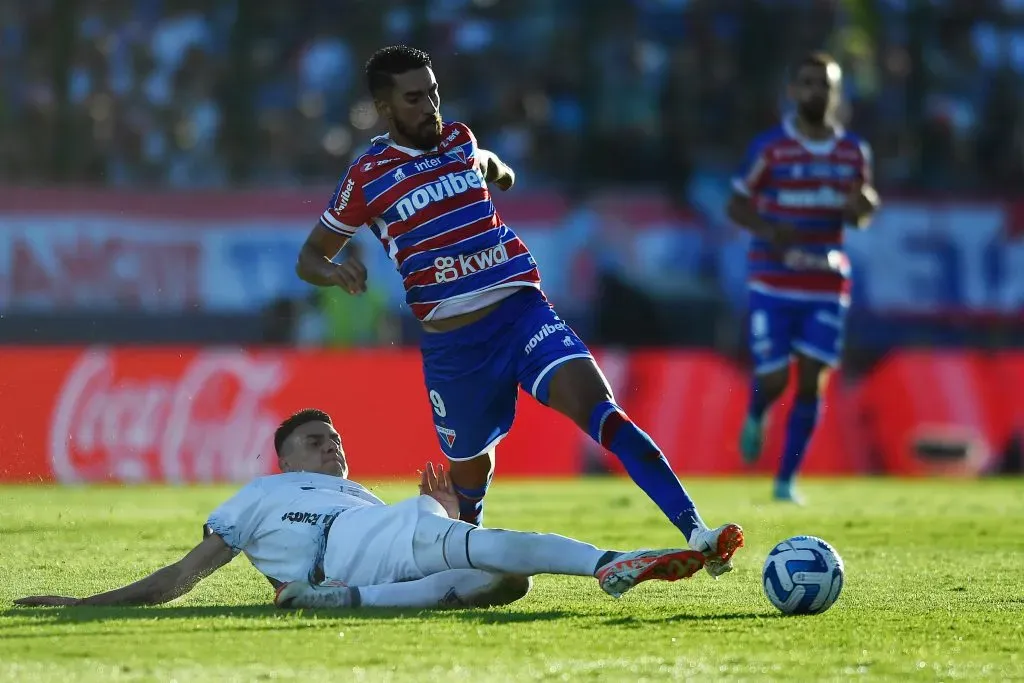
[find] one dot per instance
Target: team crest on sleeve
(447, 434)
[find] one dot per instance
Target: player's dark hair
(294, 422)
(388, 62)
(815, 58)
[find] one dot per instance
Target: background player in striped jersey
(423, 188)
(800, 185)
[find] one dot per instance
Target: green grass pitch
(934, 591)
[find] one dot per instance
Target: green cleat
(751, 440)
(784, 492)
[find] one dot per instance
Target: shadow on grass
(272, 618)
(286, 618)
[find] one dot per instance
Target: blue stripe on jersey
(477, 243)
(812, 171)
(484, 240)
(760, 246)
(482, 279)
(450, 221)
(810, 224)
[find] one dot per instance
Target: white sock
(451, 588)
(520, 552)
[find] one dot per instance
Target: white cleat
(301, 594)
(629, 569)
(718, 546)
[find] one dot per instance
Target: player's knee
(812, 378)
(507, 589)
(771, 385)
(577, 388)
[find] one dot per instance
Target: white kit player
(325, 541)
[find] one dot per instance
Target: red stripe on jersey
(451, 237)
(795, 213)
(530, 278)
(783, 183)
(817, 282)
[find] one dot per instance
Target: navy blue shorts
(473, 374)
(780, 326)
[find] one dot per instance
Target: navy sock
(758, 405)
(645, 464)
(802, 419)
(471, 504)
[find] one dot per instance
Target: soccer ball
(803, 575)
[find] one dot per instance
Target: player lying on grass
(325, 541)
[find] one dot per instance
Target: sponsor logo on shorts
(545, 332)
(447, 434)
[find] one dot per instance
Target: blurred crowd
(207, 93)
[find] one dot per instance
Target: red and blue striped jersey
(433, 214)
(805, 183)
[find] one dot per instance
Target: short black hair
(292, 423)
(814, 58)
(388, 62)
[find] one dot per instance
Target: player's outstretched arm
(495, 170)
(315, 264)
(161, 586)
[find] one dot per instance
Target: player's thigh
(545, 342)
(439, 542)
(374, 544)
(770, 333)
(820, 335)
(472, 409)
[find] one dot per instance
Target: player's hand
(350, 275)
(781, 235)
(506, 181)
(438, 486)
(860, 203)
(48, 601)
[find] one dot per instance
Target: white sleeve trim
(334, 225)
(740, 187)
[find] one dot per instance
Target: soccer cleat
(629, 569)
(784, 492)
(751, 440)
(301, 594)
(718, 546)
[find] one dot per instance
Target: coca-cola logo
(208, 423)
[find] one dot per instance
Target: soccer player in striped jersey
(802, 183)
(424, 190)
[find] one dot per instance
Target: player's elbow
(738, 210)
(303, 264)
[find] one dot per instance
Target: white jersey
(278, 521)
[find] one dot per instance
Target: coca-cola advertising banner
(184, 415)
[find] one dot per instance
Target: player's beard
(426, 135)
(813, 112)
